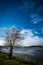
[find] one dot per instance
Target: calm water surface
(28, 53)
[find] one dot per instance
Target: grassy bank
(4, 60)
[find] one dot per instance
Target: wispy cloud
(36, 18)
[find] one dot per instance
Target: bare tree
(11, 35)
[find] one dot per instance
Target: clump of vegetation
(5, 60)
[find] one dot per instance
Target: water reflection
(28, 53)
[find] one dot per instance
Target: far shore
(23, 46)
(37, 46)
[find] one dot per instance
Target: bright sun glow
(2, 42)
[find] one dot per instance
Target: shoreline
(4, 60)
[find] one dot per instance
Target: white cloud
(36, 32)
(27, 32)
(30, 39)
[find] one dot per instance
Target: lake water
(33, 53)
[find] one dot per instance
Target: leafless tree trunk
(11, 50)
(0, 49)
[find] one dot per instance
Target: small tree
(11, 35)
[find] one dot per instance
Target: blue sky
(25, 14)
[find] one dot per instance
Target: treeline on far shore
(21, 46)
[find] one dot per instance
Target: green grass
(4, 60)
